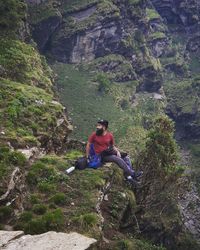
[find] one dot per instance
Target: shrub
(59, 199)
(35, 226)
(34, 199)
(46, 187)
(26, 216)
(39, 208)
(17, 158)
(86, 220)
(104, 82)
(54, 220)
(5, 213)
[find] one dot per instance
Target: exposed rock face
(100, 29)
(43, 31)
(98, 42)
(181, 12)
(50, 240)
(103, 38)
(190, 210)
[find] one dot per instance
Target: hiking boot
(138, 174)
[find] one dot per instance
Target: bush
(59, 199)
(35, 226)
(5, 213)
(46, 187)
(54, 220)
(17, 158)
(50, 221)
(104, 82)
(86, 220)
(26, 216)
(11, 157)
(34, 199)
(39, 209)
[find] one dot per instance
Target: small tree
(157, 197)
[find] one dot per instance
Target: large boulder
(51, 240)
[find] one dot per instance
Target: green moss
(22, 63)
(53, 220)
(73, 155)
(34, 226)
(157, 35)
(71, 5)
(8, 160)
(11, 15)
(71, 26)
(27, 111)
(152, 14)
(116, 67)
(184, 103)
(43, 11)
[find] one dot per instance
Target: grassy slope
(85, 104)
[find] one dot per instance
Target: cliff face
(159, 41)
(32, 120)
(96, 29)
(136, 56)
(182, 18)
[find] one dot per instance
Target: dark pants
(123, 163)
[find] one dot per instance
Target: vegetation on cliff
(120, 83)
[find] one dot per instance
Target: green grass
(26, 111)
(22, 63)
(85, 104)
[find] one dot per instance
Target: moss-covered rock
(12, 14)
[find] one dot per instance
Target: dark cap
(103, 122)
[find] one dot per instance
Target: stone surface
(6, 236)
(30, 152)
(46, 241)
(189, 204)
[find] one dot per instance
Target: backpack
(81, 163)
(95, 161)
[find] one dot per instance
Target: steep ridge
(124, 43)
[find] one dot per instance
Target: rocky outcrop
(16, 240)
(189, 204)
(42, 31)
(101, 29)
(183, 12)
